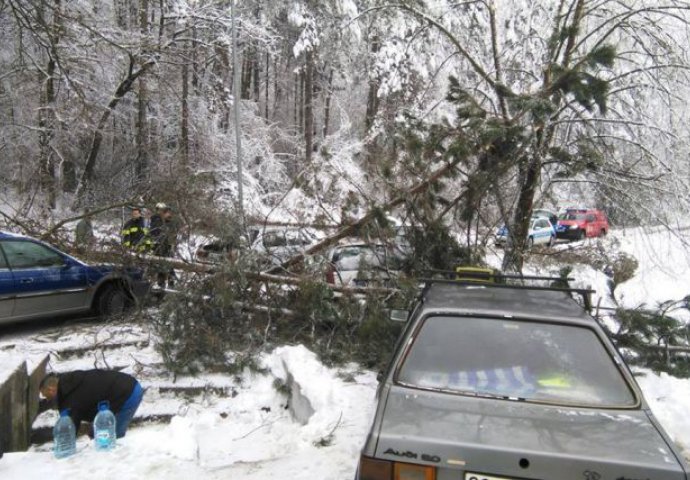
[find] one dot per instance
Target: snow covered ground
(254, 426)
(664, 259)
(249, 434)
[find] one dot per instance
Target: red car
(578, 223)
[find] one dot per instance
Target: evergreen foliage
(225, 322)
(644, 338)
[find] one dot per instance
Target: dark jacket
(156, 226)
(164, 235)
(81, 390)
(84, 232)
(135, 234)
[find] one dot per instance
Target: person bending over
(81, 390)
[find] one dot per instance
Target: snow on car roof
(518, 302)
(357, 242)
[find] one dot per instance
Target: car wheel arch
(106, 285)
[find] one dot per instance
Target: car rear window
(535, 361)
(274, 239)
(285, 239)
(356, 257)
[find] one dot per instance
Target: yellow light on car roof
(407, 471)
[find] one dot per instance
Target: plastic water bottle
(104, 427)
(64, 436)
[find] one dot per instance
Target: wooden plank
(14, 427)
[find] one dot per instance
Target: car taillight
(330, 275)
(407, 471)
(373, 469)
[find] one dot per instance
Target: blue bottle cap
(65, 412)
(104, 405)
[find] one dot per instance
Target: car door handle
(26, 280)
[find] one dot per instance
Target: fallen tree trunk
(115, 256)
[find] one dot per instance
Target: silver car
(280, 243)
(503, 383)
(356, 263)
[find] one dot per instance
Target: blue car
(38, 280)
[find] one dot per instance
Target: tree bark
(122, 89)
(514, 257)
(277, 90)
(301, 101)
(184, 120)
(46, 125)
(256, 75)
(327, 107)
(195, 62)
(268, 64)
(141, 162)
(373, 94)
(308, 106)
(221, 70)
(46, 114)
(295, 103)
(246, 75)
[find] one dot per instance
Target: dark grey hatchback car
(491, 383)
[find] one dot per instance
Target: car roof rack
(584, 293)
(487, 274)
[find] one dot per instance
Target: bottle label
(103, 438)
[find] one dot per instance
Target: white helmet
(161, 206)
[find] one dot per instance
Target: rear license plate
(481, 476)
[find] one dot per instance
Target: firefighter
(135, 235)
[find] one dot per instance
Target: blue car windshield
(532, 361)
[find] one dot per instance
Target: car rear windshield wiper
(470, 393)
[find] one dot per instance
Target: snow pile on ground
(664, 259)
(252, 434)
